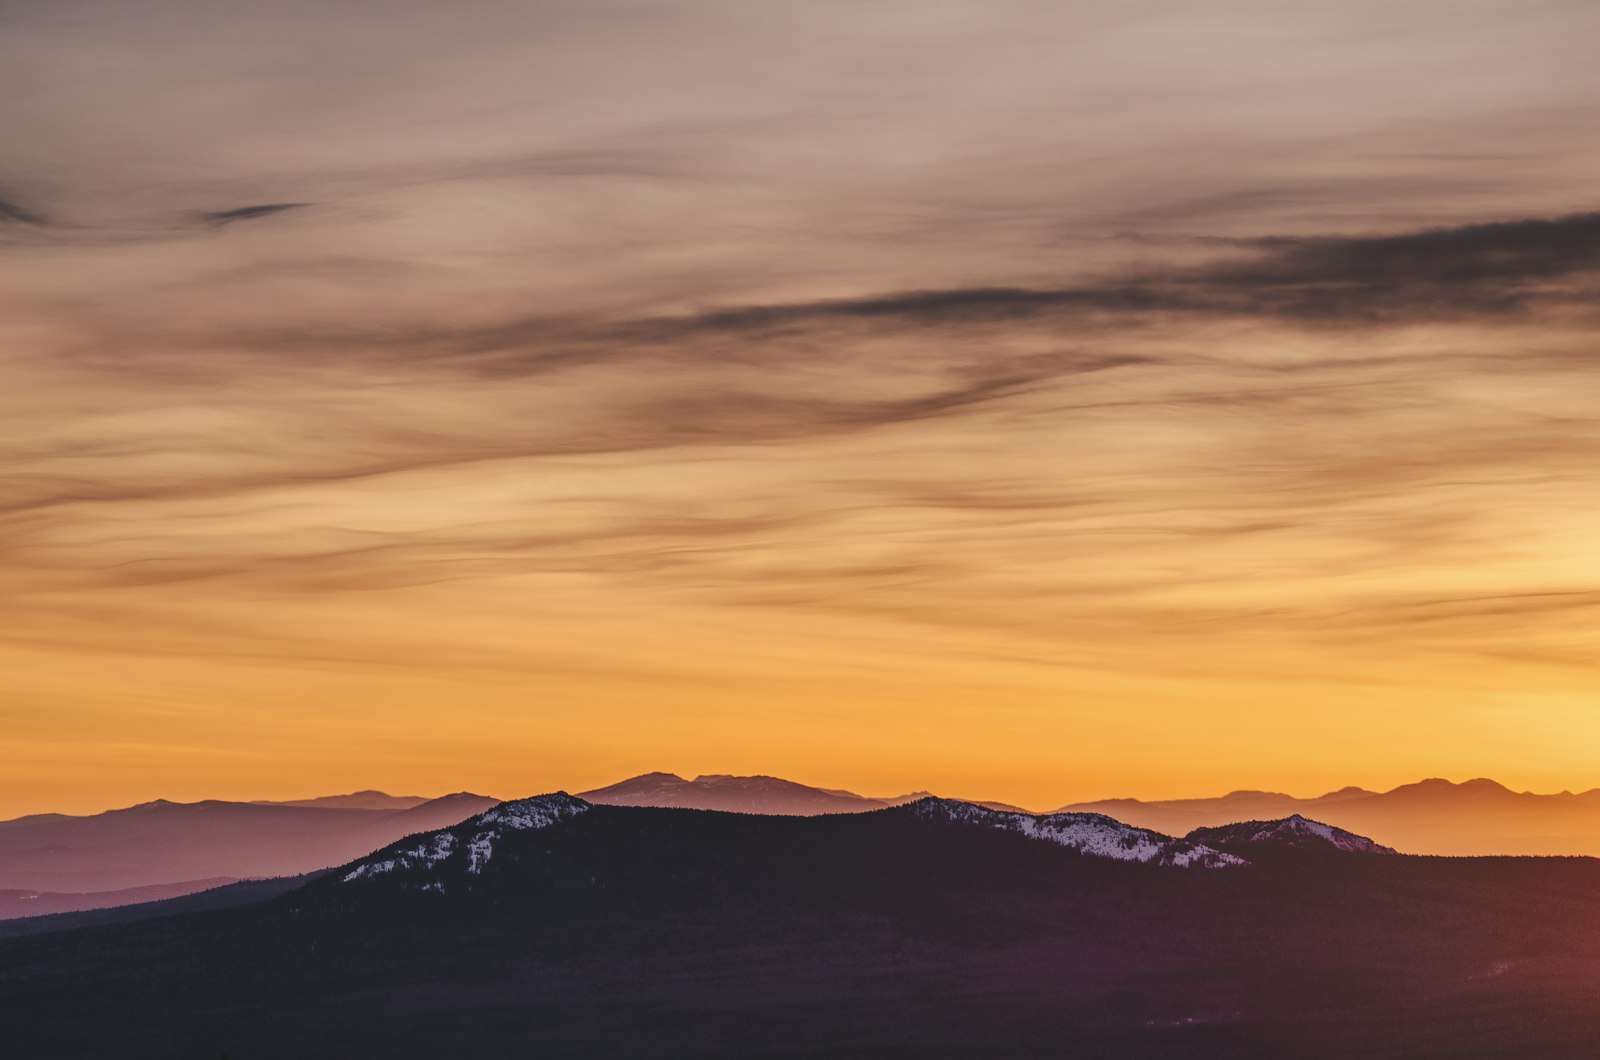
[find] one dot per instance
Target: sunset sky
(1020, 400)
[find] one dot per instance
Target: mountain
(555, 927)
(758, 794)
(770, 795)
(471, 846)
(1091, 834)
(1474, 818)
(81, 862)
(1252, 838)
(356, 800)
(1180, 816)
(454, 857)
(177, 845)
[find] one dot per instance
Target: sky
(1035, 401)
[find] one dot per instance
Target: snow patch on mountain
(523, 815)
(477, 837)
(1093, 834)
(1294, 832)
(415, 854)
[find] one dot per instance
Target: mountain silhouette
(1435, 816)
(551, 926)
(355, 800)
(57, 862)
(757, 794)
(1252, 839)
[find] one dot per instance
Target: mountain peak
(367, 799)
(1349, 791)
(1294, 832)
(1481, 783)
(643, 783)
(1091, 834)
(730, 794)
(1440, 787)
(468, 846)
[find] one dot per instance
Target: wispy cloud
(1082, 363)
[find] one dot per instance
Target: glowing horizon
(1026, 403)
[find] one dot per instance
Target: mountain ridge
(754, 793)
(1476, 817)
(740, 794)
(367, 799)
(925, 930)
(469, 847)
(1295, 832)
(162, 843)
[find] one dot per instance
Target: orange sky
(1024, 401)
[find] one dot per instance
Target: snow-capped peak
(1092, 834)
(472, 842)
(1295, 832)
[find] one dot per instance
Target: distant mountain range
(356, 800)
(26, 902)
(733, 794)
(70, 862)
(552, 926)
(758, 794)
(1477, 817)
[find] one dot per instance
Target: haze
(1034, 401)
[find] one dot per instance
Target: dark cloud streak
(1475, 270)
(11, 213)
(1504, 251)
(218, 218)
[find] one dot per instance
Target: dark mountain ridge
(1252, 839)
(921, 930)
(60, 862)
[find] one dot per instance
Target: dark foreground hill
(554, 929)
